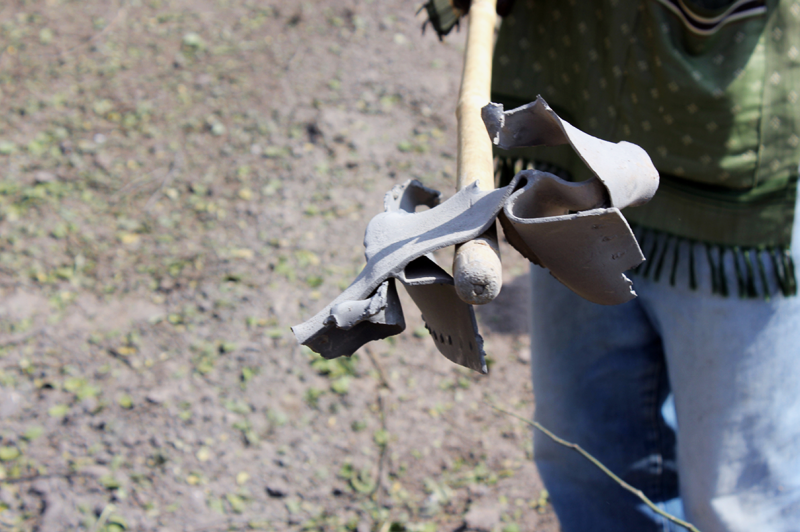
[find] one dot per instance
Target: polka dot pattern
(648, 76)
(719, 109)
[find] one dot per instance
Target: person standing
(688, 392)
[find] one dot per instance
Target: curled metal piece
(352, 323)
(575, 230)
(450, 321)
(394, 240)
(625, 169)
(564, 227)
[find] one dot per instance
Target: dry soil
(180, 182)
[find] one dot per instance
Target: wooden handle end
(477, 271)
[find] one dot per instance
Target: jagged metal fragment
(587, 251)
(352, 323)
(410, 195)
(450, 321)
(347, 314)
(624, 168)
(393, 240)
(574, 229)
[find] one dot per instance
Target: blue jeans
(605, 378)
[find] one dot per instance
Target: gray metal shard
(393, 240)
(587, 251)
(347, 314)
(450, 321)
(352, 323)
(574, 229)
(410, 195)
(624, 168)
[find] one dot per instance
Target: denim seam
(652, 443)
(655, 487)
(655, 415)
(659, 479)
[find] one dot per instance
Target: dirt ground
(180, 182)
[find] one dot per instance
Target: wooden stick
(476, 265)
(577, 448)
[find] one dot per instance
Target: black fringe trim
(750, 264)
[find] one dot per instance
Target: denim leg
(734, 366)
(600, 380)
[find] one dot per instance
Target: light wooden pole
(476, 265)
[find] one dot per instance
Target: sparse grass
(179, 183)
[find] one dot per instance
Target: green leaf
(205, 366)
(242, 424)
(193, 41)
(125, 401)
(110, 482)
(215, 505)
(381, 437)
(58, 410)
(314, 281)
(33, 432)
(362, 481)
(346, 471)
(45, 36)
(237, 406)
(236, 502)
(248, 373)
(251, 437)
(274, 152)
(7, 147)
(306, 258)
(36, 148)
(334, 368)
(72, 384)
(117, 519)
(9, 453)
(86, 391)
(341, 385)
(102, 107)
(283, 267)
(312, 396)
(277, 417)
(227, 347)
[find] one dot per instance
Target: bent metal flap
(575, 230)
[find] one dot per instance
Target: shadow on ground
(510, 312)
